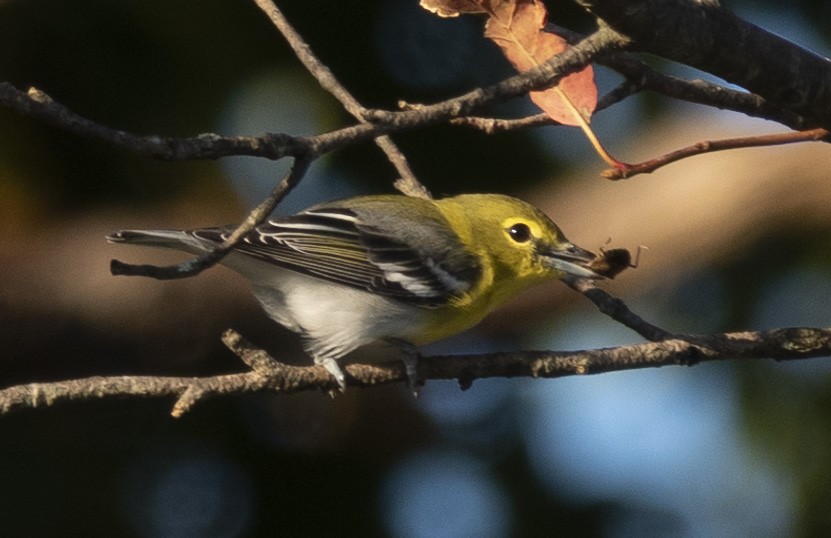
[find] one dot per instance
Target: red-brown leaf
(453, 8)
(518, 30)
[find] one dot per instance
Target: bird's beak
(570, 259)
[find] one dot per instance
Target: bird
(388, 268)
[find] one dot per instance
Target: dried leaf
(500, 9)
(518, 30)
(518, 27)
(453, 8)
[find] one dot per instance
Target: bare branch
(709, 37)
(496, 125)
(271, 376)
(36, 104)
(544, 76)
(640, 77)
(196, 265)
(643, 77)
(709, 146)
(408, 184)
(304, 53)
(617, 309)
(599, 47)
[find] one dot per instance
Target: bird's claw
(333, 368)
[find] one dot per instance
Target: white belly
(334, 319)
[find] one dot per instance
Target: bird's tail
(175, 239)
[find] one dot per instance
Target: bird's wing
(334, 244)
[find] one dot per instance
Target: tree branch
(600, 46)
(709, 37)
(617, 309)
(643, 77)
(701, 92)
(408, 184)
(497, 125)
(269, 375)
(36, 104)
(709, 146)
(196, 265)
(640, 77)
(544, 76)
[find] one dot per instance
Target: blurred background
(737, 240)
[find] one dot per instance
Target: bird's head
(522, 240)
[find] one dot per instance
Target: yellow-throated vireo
(389, 267)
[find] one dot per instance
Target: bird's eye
(520, 232)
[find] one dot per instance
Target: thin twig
(543, 76)
(617, 309)
(497, 125)
(408, 184)
(198, 264)
(709, 146)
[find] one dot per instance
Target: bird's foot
(333, 368)
(410, 360)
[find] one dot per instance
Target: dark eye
(520, 232)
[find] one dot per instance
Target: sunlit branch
(709, 146)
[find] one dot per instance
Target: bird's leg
(333, 368)
(410, 360)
